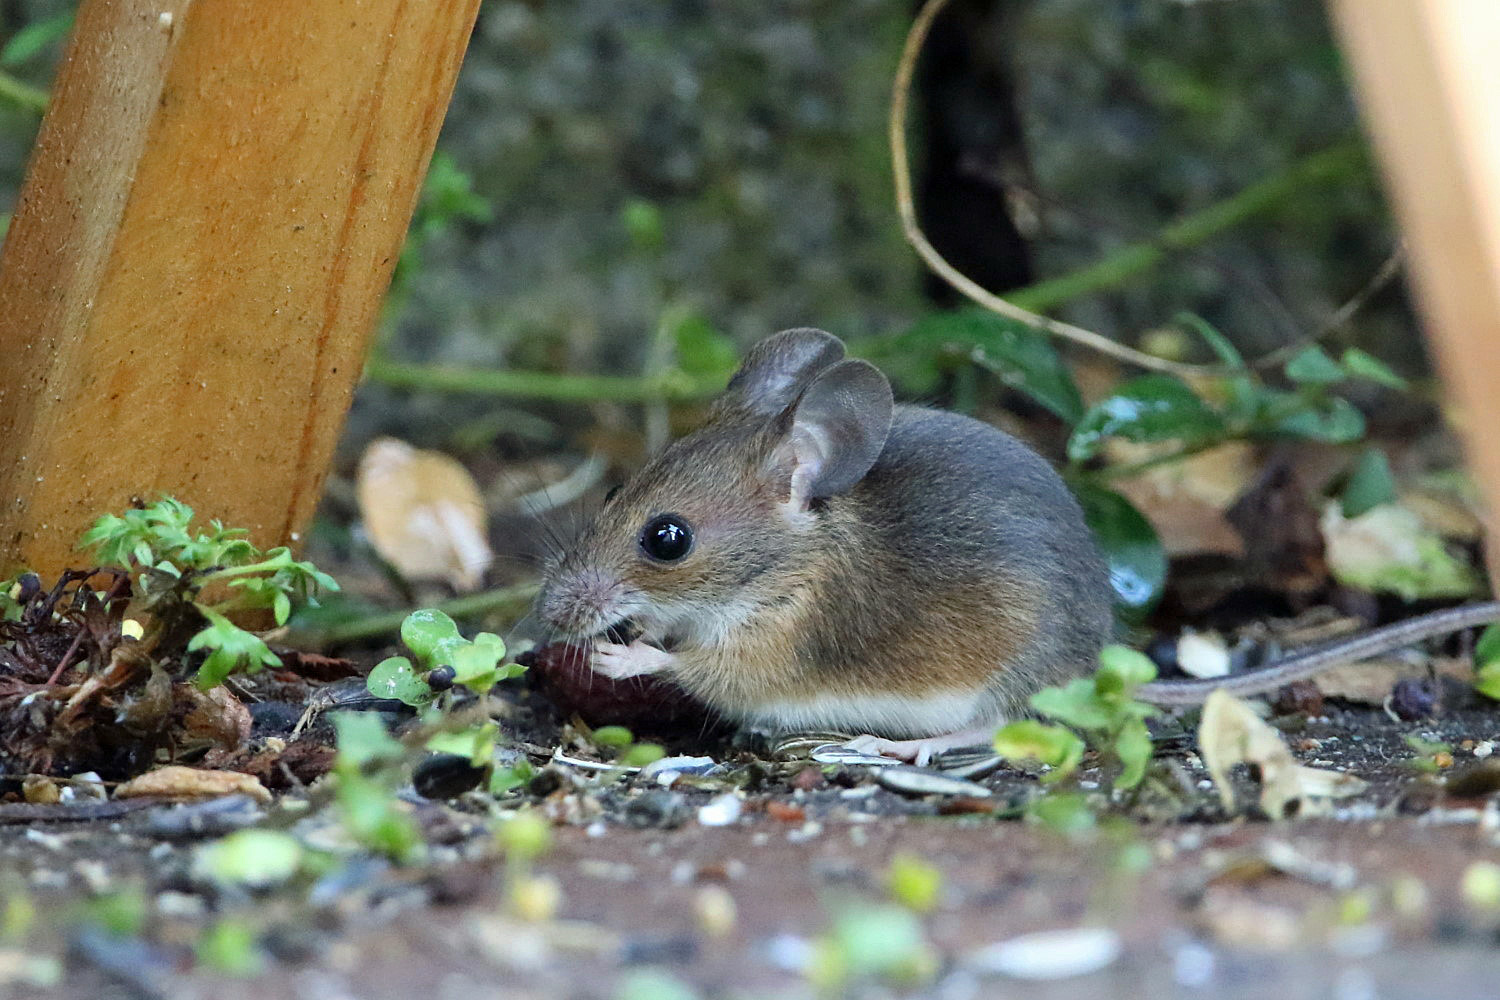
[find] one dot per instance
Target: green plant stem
(1334, 163)
(1114, 271)
(389, 622)
(22, 95)
(668, 386)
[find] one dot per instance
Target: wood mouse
(816, 557)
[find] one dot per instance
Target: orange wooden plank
(207, 228)
(1428, 76)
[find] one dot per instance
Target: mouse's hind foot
(920, 752)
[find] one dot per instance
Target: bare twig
(1382, 277)
(1024, 304)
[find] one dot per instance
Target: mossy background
(757, 131)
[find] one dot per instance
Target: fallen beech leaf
(1369, 682)
(177, 782)
(423, 513)
(1389, 549)
(1232, 733)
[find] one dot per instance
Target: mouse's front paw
(618, 662)
(907, 750)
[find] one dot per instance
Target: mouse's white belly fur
(887, 714)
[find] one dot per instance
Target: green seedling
(231, 947)
(1487, 663)
(367, 770)
(1432, 756)
(186, 581)
(1101, 708)
(444, 658)
(914, 883)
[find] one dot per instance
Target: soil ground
(1388, 895)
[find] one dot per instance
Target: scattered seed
(837, 753)
(920, 781)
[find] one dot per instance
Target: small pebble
(721, 810)
(1046, 955)
(657, 809)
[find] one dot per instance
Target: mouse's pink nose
(579, 602)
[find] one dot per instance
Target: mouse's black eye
(667, 538)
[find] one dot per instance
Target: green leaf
(613, 736)
(1133, 747)
(230, 648)
(1149, 408)
(1122, 670)
(1137, 561)
(255, 858)
(1361, 365)
(1487, 681)
(1312, 365)
(1370, 484)
(1068, 814)
(1487, 649)
(1244, 393)
(1487, 662)
(230, 947)
(703, 350)
(394, 677)
(876, 940)
(475, 664)
(1024, 359)
(504, 779)
(1331, 419)
(1075, 703)
(425, 631)
(363, 741)
(643, 223)
(371, 814)
(914, 883)
(1028, 739)
(476, 743)
(642, 754)
(35, 37)
(525, 835)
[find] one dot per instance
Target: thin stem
(1114, 270)
(669, 386)
(389, 622)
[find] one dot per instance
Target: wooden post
(1428, 77)
(206, 231)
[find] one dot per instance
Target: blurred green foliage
(716, 172)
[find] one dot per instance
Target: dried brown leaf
(177, 782)
(423, 513)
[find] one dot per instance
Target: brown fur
(927, 577)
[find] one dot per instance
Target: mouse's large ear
(833, 433)
(777, 369)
